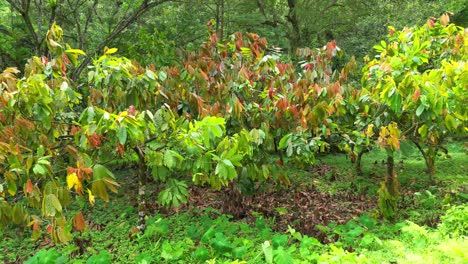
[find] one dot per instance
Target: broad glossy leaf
(169, 160)
(422, 130)
(100, 172)
(267, 251)
(450, 123)
(122, 135)
(51, 205)
(111, 51)
(420, 110)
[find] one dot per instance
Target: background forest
(243, 131)
(150, 31)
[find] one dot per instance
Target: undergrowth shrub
(455, 221)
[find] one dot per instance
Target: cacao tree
(419, 75)
(36, 111)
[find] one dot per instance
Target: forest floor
(328, 214)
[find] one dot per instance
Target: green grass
(207, 236)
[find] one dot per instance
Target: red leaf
(309, 66)
(279, 162)
(270, 93)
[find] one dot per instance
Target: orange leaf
(444, 19)
(416, 95)
(29, 186)
(50, 228)
(79, 222)
(35, 226)
(121, 149)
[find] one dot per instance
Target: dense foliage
(232, 115)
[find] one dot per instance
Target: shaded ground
(301, 209)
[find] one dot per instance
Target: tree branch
(24, 12)
(144, 7)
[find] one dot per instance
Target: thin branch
(121, 26)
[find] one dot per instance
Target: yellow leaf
(72, 180)
(91, 197)
(75, 51)
(370, 130)
(110, 51)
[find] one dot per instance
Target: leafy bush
(455, 221)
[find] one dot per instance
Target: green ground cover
(431, 227)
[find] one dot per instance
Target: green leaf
(169, 160)
(122, 135)
(281, 256)
(395, 101)
(208, 234)
(51, 205)
(202, 253)
(39, 169)
(100, 172)
(284, 141)
(267, 252)
(162, 75)
(420, 110)
(221, 244)
(450, 123)
(423, 131)
(239, 252)
(216, 130)
(102, 258)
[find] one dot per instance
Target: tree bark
(295, 32)
(220, 19)
(390, 178)
(359, 162)
(429, 158)
(141, 224)
(388, 193)
(23, 9)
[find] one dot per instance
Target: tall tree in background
(151, 35)
(92, 24)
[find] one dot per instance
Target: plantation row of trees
(216, 116)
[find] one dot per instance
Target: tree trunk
(358, 163)
(430, 163)
(391, 178)
(220, 19)
(295, 33)
(388, 193)
(141, 224)
(429, 158)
